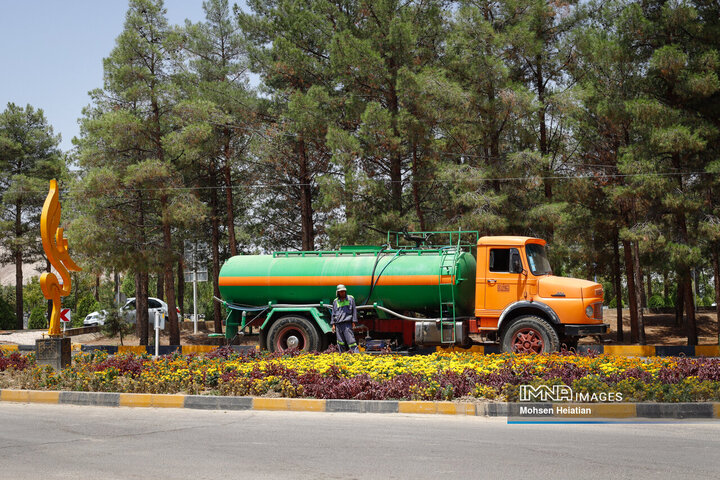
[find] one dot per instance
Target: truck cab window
(500, 260)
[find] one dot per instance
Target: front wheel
(530, 334)
(292, 332)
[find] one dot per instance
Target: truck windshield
(537, 259)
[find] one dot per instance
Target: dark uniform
(344, 316)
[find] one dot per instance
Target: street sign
(202, 276)
(65, 315)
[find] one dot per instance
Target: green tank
(404, 280)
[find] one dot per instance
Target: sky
(51, 52)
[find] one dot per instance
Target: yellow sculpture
(56, 249)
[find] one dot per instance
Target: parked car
(154, 305)
(95, 318)
(128, 312)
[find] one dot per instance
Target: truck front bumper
(582, 330)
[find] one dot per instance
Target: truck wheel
(530, 334)
(292, 332)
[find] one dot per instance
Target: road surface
(66, 441)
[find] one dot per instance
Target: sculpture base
(53, 351)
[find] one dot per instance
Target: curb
(706, 410)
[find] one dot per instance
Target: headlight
(589, 311)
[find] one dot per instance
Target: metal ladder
(448, 268)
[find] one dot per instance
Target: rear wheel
(530, 334)
(292, 332)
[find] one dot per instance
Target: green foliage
(85, 306)
(38, 317)
(116, 325)
(7, 315)
(656, 301)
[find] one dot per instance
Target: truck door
(501, 287)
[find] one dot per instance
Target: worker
(344, 316)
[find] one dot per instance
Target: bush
(656, 301)
(115, 324)
(38, 318)
(7, 316)
(85, 305)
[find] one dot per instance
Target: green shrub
(7, 315)
(656, 301)
(115, 324)
(85, 305)
(38, 318)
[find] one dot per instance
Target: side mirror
(515, 263)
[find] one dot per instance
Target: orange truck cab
(519, 302)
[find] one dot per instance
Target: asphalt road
(65, 441)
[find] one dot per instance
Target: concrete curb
(565, 411)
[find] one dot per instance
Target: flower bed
(440, 376)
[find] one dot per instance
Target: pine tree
(29, 157)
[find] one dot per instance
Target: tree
(216, 118)
(130, 183)
(29, 158)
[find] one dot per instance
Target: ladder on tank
(447, 278)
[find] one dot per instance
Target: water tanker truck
(435, 292)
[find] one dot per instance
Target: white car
(95, 318)
(128, 312)
(154, 305)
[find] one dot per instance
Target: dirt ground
(660, 329)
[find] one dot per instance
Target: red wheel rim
(284, 339)
(528, 340)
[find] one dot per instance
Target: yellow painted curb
(132, 348)
(151, 400)
(597, 410)
(630, 350)
(26, 396)
(9, 348)
(445, 408)
(716, 410)
(293, 404)
(38, 396)
(15, 396)
(186, 349)
(707, 350)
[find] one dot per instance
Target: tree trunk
(688, 290)
(666, 286)
(161, 285)
(48, 268)
(680, 305)
(141, 306)
(640, 293)
(230, 214)
(690, 311)
(618, 286)
(716, 275)
(306, 211)
(632, 295)
(97, 288)
(169, 280)
(116, 289)
(215, 227)
(415, 187)
(181, 283)
(19, 310)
